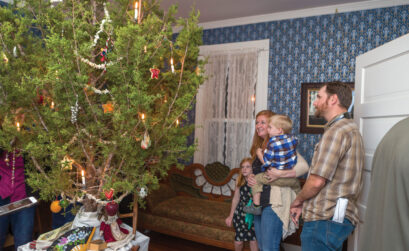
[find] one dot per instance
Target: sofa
(193, 204)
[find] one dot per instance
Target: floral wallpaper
(314, 49)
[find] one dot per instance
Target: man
(335, 176)
(386, 219)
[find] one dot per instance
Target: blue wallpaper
(314, 49)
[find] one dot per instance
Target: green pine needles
(79, 79)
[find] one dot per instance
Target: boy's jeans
(325, 235)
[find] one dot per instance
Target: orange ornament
(55, 206)
(108, 107)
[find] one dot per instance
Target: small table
(139, 240)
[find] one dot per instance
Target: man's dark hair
(342, 90)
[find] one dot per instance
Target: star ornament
(66, 163)
(108, 107)
(154, 73)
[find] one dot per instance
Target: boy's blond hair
(281, 121)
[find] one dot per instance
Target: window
(236, 89)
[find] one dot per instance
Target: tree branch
(39, 167)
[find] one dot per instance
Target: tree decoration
(55, 206)
(106, 19)
(74, 111)
(59, 50)
(172, 66)
(146, 142)
(66, 163)
(64, 203)
(143, 192)
(154, 73)
(5, 59)
(109, 194)
(108, 107)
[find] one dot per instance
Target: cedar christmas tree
(90, 85)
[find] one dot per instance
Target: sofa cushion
(194, 210)
(195, 232)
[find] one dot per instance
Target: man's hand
(295, 211)
(251, 181)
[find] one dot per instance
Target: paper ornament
(66, 163)
(146, 142)
(154, 73)
(109, 194)
(108, 107)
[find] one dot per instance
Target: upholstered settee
(193, 204)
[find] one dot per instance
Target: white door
(381, 100)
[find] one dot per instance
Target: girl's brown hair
(241, 180)
(257, 140)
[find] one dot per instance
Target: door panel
(381, 100)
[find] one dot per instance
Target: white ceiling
(215, 10)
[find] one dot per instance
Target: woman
(268, 226)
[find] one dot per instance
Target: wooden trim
(134, 214)
(189, 171)
(222, 244)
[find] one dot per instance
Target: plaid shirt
(339, 158)
(280, 152)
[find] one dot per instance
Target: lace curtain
(225, 109)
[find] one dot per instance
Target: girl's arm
(234, 203)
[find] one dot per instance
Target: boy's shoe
(252, 209)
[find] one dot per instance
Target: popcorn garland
(98, 66)
(101, 26)
(74, 112)
(97, 91)
(104, 51)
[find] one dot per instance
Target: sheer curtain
(225, 109)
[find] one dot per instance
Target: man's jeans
(269, 230)
(22, 224)
(325, 235)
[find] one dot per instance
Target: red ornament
(40, 99)
(111, 208)
(154, 73)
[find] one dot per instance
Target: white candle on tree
(136, 11)
(83, 177)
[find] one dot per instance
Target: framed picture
(309, 123)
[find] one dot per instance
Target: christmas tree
(94, 94)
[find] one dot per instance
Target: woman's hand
(229, 221)
(251, 181)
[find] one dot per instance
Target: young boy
(280, 153)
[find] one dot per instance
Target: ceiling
(215, 10)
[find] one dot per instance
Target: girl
(242, 195)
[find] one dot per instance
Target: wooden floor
(161, 242)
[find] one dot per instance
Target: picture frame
(308, 122)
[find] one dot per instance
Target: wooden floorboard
(161, 242)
